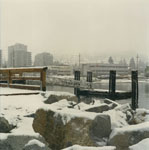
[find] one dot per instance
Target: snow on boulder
(35, 145)
(143, 145)
(78, 147)
(62, 126)
(124, 137)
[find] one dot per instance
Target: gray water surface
(124, 86)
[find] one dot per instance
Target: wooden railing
(9, 75)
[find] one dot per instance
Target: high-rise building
(18, 56)
(0, 58)
(43, 59)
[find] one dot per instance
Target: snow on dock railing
(8, 76)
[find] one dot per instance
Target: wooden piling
(89, 78)
(43, 80)
(77, 77)
(112, 84)
(135, 89)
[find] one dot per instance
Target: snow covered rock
(124, 137)
(35, 145)
(5, 127)
(65, 127)
(78, 147)
(139, 116)
(143, 145)
(98, 109)
(16, 142)
(111, 103)
(126, 109)
(55, 98)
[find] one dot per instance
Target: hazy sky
(94, 28)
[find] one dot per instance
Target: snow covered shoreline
(20, 110)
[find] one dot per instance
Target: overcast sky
(65, 28)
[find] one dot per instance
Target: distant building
(63, 70)
(18, 56)
(43, 59)
(0, 58)
(103, 68)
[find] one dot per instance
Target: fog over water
(93, 28)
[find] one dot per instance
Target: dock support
(89, 78)
(9, 78)
(43, 80)
(135, 88)
(77, 77)
(112, 84)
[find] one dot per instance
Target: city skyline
(95, 29)
(74, 59)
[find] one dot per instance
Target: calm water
(125, 86)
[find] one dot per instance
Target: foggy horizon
(65, 28)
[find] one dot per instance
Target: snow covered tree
(110, 60)
(132, 64)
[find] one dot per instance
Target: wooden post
(77, 77)
(89, 78)
(135, 88)
(43, 80)
(112, 84)
(9, 78)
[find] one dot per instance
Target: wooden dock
(9, 76)
(111, 93)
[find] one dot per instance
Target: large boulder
(5, 127)
(63, 128)
(124, 137)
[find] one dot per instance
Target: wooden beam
(19, 70)
(27, 87)
(13, 94)
(26, 78)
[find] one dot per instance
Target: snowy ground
(16, 108)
